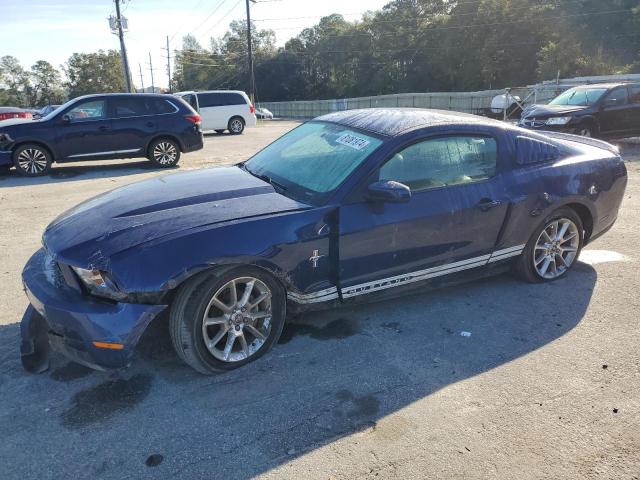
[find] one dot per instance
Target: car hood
(145, 211)
(536, 111)
(15, 121)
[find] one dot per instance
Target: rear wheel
(236, 125)
(553, 248)
(164, 152)
(32, 160)
(223, 321)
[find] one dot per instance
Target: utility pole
(141, 80)
(153, 85)
(168, 63)
(252, 87)
(123, 50)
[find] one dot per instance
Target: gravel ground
(545, 386)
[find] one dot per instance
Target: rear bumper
(71, 321)
(6, 157)
(193, 141)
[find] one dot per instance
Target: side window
(89, 110)
(618, 96)
(210, 100)
(234, 99)
(162, 106)
(635, 93)
(443, 161)
(124, 107)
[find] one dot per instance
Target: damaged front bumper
(70, 321)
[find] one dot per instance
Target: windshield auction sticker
(352, 141)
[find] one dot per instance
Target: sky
(32, 30)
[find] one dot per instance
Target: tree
(15, 80)
(99, 72)
(46, 84)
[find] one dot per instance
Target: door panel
(211, 111)
(437, 227)
(616, 112)
(88, 131)
(133, 123)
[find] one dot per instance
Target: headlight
(99, 283)
(558, 120)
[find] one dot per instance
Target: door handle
(487, 204)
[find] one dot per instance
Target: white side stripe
(389, 282)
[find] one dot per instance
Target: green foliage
(99, 72)
(426, 45)
(29, 88)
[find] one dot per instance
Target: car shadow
(61, 173)
(333, 374)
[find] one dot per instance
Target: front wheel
(32, 160)
(236, 126)
(164, 152)
(553, 248)
(221, 321)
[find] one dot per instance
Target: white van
(222, 110)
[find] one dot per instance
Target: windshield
(579, 97)
(310, 162)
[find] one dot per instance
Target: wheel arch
(168, 136)
(40, 143)
(586, 217)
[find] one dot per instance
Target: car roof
(123, 94)
(209, 91)
(605, 85)
(395, 121)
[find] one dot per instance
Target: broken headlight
(99, 283)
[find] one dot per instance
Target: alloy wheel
(165, 153)
(556, 248)
(237, 320)
(32, 160)
(236, 125)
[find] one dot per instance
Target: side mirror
(66, 118)
(388, 191)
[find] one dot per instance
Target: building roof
(394, 121)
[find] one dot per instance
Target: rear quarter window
(531, 151)
(161, 106)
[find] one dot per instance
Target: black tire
(32, 160)
(525, 265)
(587, 130)
(164, 152)
(219, 132)
(186, 320)
(236, 125)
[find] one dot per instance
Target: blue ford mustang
(348, 207)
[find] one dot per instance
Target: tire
(530, 266)
(587, 130)
(197, 298)
(32, 160)
(219, 132)
(164, 152)
(236, 125)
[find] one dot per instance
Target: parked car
(7, 113)
(352, 206)
(263, 113)
(610, 110)
(222, 109)
(97, 127)
(44, 111)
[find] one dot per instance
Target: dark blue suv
(99, 127)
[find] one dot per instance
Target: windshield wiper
(265, 178)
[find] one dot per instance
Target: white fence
(469, 102)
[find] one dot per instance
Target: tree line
(407, 46)
(422, 46)
(43, 84)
